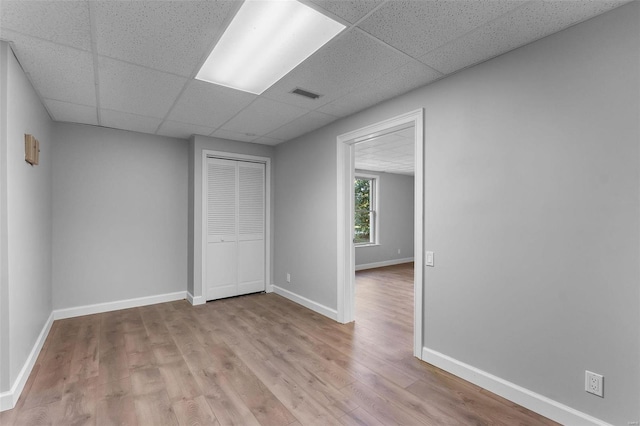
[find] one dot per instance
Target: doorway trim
(345, 207)
(206, 153)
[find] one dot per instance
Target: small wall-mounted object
(31, 150)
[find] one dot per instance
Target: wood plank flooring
(252, 360)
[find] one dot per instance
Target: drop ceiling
(131, 65)
(391, 153)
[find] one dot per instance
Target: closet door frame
(267, 213)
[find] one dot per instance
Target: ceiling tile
(262, 117)
(171, 36)
(349, 10)
(72, 113)
(122, 120)
(305, 124)
(531, 22)
(57, 72)
(63, 22)
(352, 59)
(182, 130)
(264, 140)
(391, 153)
(395, 83)
(137, 90)
(210, 105)
(234, 136)
(427, 25)
(406, 133)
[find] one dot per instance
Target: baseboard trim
(307, 303)
(9, 399)
(114, 306)
(383, 263)
(533, 401)
(195, 300)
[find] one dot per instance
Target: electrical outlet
(288, 277)
(398, 251)
(594, 383)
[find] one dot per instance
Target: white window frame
(375, 223)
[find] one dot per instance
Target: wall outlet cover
(594, 383)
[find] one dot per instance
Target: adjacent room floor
(250, 360)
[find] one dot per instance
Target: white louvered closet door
(235, 228)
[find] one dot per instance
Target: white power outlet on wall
(594, 383)
(288, 277)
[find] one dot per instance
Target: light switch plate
(429, 256)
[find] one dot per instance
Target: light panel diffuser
(264, 41)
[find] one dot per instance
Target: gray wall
(196, 145)
(532, 206)
(26, 204)
(395, 220)
(305, 216)
(119, 215)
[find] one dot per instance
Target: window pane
(363, 206)
(362, 227)
(363, 194)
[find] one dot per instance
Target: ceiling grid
(132, 65)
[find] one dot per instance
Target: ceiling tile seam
(384, 43)
(511, 50)
(67, 102)
(366, 82)
(221, 127)
(174, 74)
(33, 86)
(173, 105)
(132, 113)
(31, 36)
(371, 12)
(318, 8)
(295, 119)
(203, 58)
(94, 48)
(511, 11)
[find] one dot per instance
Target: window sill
(367, 245)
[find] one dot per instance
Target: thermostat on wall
(31, 150)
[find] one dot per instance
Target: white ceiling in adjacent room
(131, 65)
(391, 153)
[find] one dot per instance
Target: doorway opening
(411, 122)
(384, 239)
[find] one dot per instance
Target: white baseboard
(533, 401)
(383, 263)
(195, 300)
(9, 399)
(120, 304)
(307, 303)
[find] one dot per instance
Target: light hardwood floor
(252, 360)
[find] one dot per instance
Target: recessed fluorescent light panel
(264, 41)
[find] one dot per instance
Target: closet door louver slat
(221, 202)
(251, 201)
